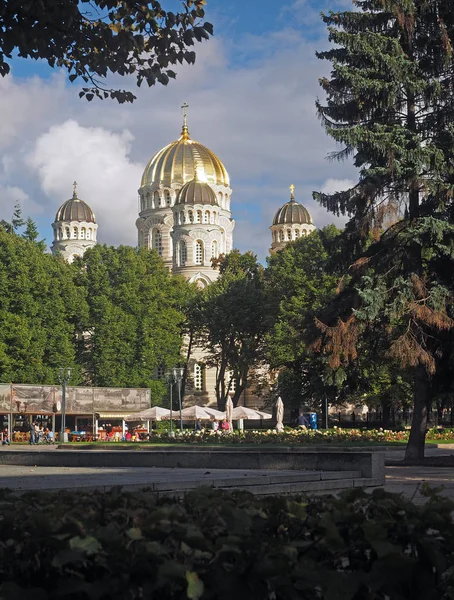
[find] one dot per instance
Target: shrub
(214, 545)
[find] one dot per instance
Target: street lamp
(64, 375)
(178, 373)
(169, 379)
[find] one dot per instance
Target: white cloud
(99, 161)
(259, 118)
(331, 186)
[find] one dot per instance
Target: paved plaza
(399, 479)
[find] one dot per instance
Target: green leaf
(195, 586)
(89, 545)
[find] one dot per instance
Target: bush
(295, 436)
(215, 545)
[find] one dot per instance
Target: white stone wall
(72, 238)
(281, 235)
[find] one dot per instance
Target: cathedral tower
(75, 228)
(290, 222)
(174, 223)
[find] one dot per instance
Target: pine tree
(17, 221)
(390, 106)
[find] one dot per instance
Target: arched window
(206, 217)
(211, 218)
(183, 253)
(191, 216)
(289, 234)
(297, 233)
(199, 252)
(167, 196)
(83, 233)
(182, 217)
(214, 249)
(198, 377)
(60, 234)
(67, 233)
(214, 218)
(75, 233)
(89, 233)
(221, 198)
(147, 201)
(199, 216)
(226, 202)
(281, 236)
(158, 242)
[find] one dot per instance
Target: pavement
(399, 479)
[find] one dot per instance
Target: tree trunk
(386, 412)
(417, 439)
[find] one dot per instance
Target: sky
(251, 96)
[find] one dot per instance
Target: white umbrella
(279, 415)
(155, 413)
(217, 414)
(229, 412)
(241, 412)
(193, 413)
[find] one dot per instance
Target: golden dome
(196, 192)
(292, 212)
(75, 209)
(182, 161)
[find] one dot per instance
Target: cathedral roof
(176, 163)
(292, 212)
(196, 192)
(75, 209)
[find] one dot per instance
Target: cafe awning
(122, 416)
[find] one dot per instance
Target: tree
(389, 104)
(301, 279)
(135, 318)
(16, 222)
(230, 323)
(31, 233)
(93, 39)
(40, 312)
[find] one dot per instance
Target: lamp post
(169, 379)
(64, 375)
(178, 373)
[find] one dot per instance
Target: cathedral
(185, 215)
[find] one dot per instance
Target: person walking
(31, 429)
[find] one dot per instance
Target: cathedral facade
(185, 216)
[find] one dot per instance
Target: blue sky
(251, 96)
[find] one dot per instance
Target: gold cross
(292, 192)
(184, 107)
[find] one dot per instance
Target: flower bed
(297, 436)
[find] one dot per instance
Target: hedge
(213, 545)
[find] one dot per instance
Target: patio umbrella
(193, 413)
(156, 413)
(241, 412)
(229, 411)
(217, 414)
(279, 415)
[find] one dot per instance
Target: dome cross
(185, 131)
(292, 192)
(75, 189)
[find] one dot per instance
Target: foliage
(229, 320)
(219, 545)
(40, 311)
(92, 39)
(389, 105)
(289, 437)
(134, 320)
(301, 279)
